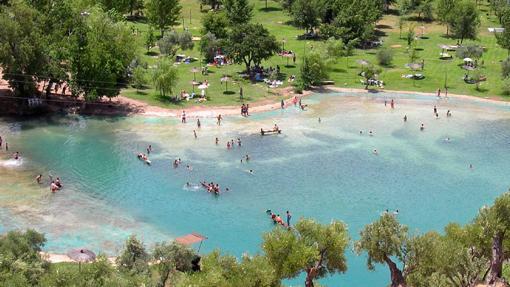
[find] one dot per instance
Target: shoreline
(145, 109)
(63, 258)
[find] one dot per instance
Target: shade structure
(362, 62)
(81, 255)
(190, 239)
(202, 87)
(194, 70)
(468, 60)
(225, 79)
(413, 66)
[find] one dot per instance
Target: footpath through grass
(344, 73)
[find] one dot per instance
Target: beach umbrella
(195, 70)
(362, 62)
(202, 87)
(81, 255)
(468, 60)
(413, 66)
(288, 56)
(225, 79)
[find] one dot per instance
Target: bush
(470, 51)
(313, 71)
(505, 68)
(385, 56)
(506, 87)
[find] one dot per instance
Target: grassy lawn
(344, 72)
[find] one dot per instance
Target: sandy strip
(210, 111)
(268, 105)
(60, 258)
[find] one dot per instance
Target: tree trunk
(397, 279)
(497, 258)
(312, 272)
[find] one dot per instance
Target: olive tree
(314, 248)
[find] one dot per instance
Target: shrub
(385, 56)
(505, 68)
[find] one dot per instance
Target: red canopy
(190, 238)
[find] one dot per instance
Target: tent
(191, 239)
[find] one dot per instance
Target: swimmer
(448, 113)
(247, 157)
(360, 132)
(375, 152)
(447, 139)
(228, 145)
(422, 127)
(238, 141)
(16, 155)
(53, 187)
(150, 148)
(395, 212)
(195, 134)
(471, 166)
(176, 164)
(198, 123)
(405, 118)
(437, 116)
(217, 141)
(370, 133)
(319, 120)
(250, 171)
(227, 189)
(38, 179)
(435, 110)
(188, 184)
(189, 167)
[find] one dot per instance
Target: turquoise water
(322, 170)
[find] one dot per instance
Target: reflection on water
(323, 170)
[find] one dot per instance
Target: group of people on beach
(245, 110)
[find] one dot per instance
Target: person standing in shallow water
(289, 216)
(218, 122)
(198, 123)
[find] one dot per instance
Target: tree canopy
(250, 44)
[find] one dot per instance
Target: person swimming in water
(422, 127)
(250, 171)
(370, 133)
(405, 118)
(375, 152)
(38, 179)
(16, 155)
(319, 120)
(217, 141)
(247, 157)
(195, 134)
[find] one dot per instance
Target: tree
(100, 54)
(495, 221)
(385, 56)
(250, 44)
(305, 14)
(209, 44)
(170, 258)
(313, 71)
(465, 20)
(150, 39)
(23, 55)
(20, 260)
(503, 38)
(313, 248)
(224, 270)
(505, 68)
(335, 49)
(215, 23)
(171, 42)
(121, 6)
(238, 11)
(383, 241)
(165, 78)
(135, 5)
(163, 13)
(470, 51)
(215, 4)
(139, 77)
(444, 11)
(133, 258)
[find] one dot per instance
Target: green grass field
(345, 72)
